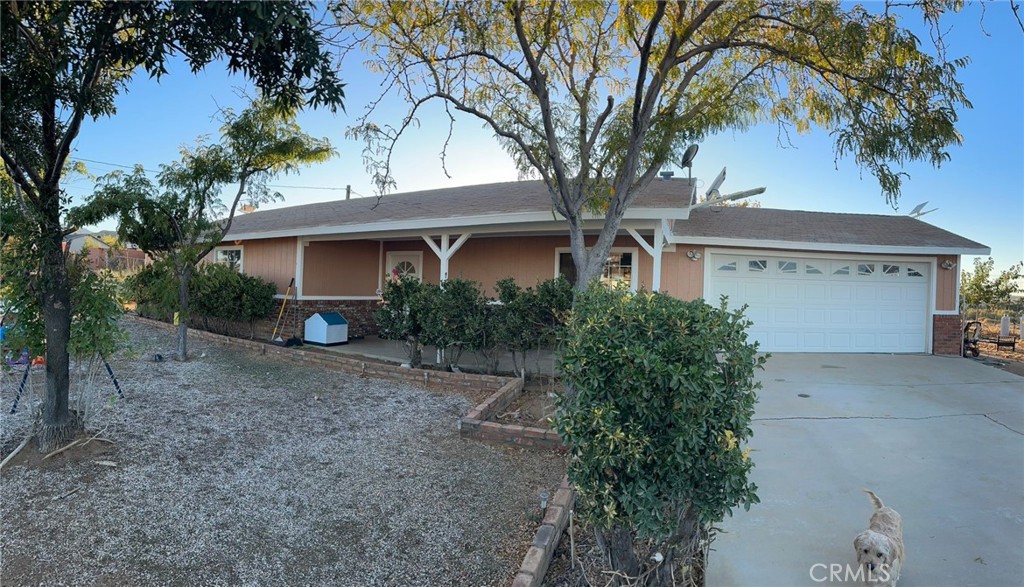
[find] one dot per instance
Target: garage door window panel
(757, 265)
(866, 269)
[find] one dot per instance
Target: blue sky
(979, 193)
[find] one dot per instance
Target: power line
(272, 185)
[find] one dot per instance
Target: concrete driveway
(939, 439)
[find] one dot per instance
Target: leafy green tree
(403, 314)
(453, 318)
(178, 220)
(664, 391)
(596, 97)
(61, 62)
(982, 287)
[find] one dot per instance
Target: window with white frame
(619, 268)
(230, 256)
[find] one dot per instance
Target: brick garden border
(538, 557)
(476, 424)
(433, 380)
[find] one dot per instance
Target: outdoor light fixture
(694, 255)
(544, 495)
(947, 264)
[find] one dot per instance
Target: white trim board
(853, 249)
(498, 222)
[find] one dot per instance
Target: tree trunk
(618, 545)
(59, 424)
(184, 275)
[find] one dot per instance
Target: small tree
(61, 62)
(403, 314)
(663, 394)
(981, 287)
(453, 318)
(176, 223)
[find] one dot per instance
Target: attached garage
(847, 304)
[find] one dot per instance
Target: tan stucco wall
(272, 259)
(681, 276)
(340, 268)
(945, 284)
(526, 259)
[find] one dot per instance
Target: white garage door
(826, 305)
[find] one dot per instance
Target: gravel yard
(236, 469)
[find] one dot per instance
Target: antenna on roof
(687, 161)
(712, 192)
(917, 211)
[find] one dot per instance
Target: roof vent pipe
(348, 192)
(667, 174)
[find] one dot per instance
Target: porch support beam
(653, 250)
(446, 250)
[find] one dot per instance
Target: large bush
(453, 318)
(458, 317)
(403, 313)
(657, 408)
(221, 298)
(527, 318)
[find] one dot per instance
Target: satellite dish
(688, 156)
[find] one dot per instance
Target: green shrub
(222, 298)
(453, 318)
(219, 297)
(403, 313)
(658, 403)
(154, 291)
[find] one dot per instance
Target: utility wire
(273, 185)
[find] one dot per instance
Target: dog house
(326, 328)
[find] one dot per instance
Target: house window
(891, 270)
(405, 264)
(618, 268)
(812, 270)
(866, 269)
(230, 256)
(787, 266)
(730, 266)
(757, 265)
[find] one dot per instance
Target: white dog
(880, 552)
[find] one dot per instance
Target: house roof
(527, 203)
(495, 203)
(798, 229)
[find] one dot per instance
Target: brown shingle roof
(477, 200)
(766, 224)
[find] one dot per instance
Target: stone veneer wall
(947, 335)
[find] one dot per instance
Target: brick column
(947, 335)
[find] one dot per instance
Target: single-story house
(813, 281)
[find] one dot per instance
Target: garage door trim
(708, 270)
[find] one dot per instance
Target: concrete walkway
(939, 439)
